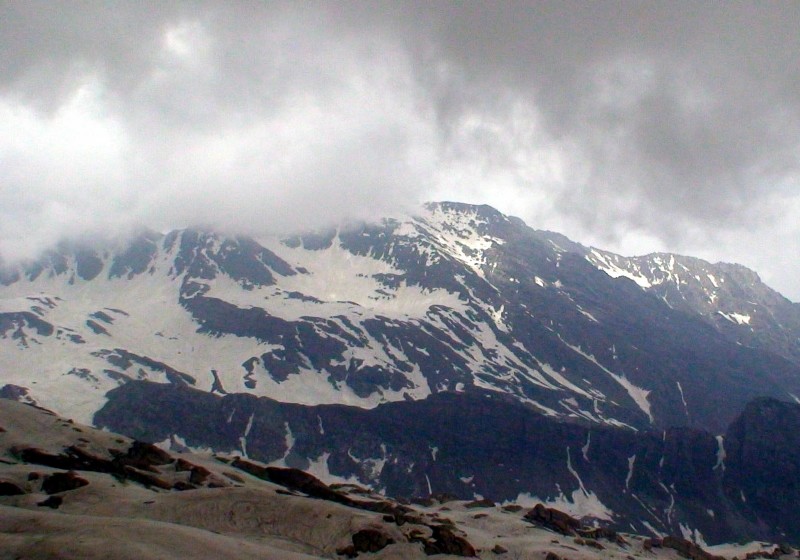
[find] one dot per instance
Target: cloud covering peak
(634, 126)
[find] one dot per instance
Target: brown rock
(498, 549)
(234, 477)
(687, 549)
(552, 556)
(51, 502)
(145, 456)
(349, 551)
(371, 540)
(62, 482)
(8, 488)
(592, 543)
(650, 544)
(602, 533)
(553, 519)
(199, 475)
(182, 465)
(484, 503)
(145, 478)
(445, 541)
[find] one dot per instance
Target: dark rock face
(730, 297)
(763, 473)
(15, 393)
(492, 445)
(137, 258)
(17, 324)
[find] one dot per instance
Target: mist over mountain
(484, 341)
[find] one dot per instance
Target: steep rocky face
(483, 444)
(458, 297)
(763, 447)
(74, 492)
(730, 297)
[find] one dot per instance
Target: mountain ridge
(459, 296)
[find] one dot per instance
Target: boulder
(445, 541)
(145, 456)
(484, 503)
(52, 502)
(8, 488)
(63, 482)
(371, 540)
(687, 549)
(553, 519)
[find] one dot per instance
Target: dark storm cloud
(670, 122)
(691, 110)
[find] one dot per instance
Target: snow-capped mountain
(729, 296)
(455, 298)
(456, 350)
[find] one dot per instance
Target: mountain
(741, 485)
(455, 298)
(456, 350)
(71, 491)
(730, 297)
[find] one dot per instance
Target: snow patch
(738, 318)
(638, 394)
(243, 437)
(720, 453)
(693, 535)
(653, 530)
(580, 503)
(604, 262)
(683, 400)
(587, 314)
(631, 462)
(319, 468)
(585, 448)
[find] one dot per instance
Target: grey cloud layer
(676, 123)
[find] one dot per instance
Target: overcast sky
(634, 126)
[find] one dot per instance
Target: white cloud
(272, 116)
